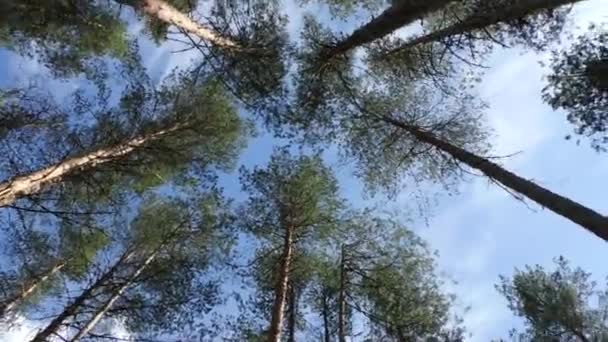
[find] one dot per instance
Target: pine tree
(43, 262)
(400, 114)
(292, 202)
(155, 281)
(399, 14)
(153, 133)
(556, 304)
(64, 35)
(384, 273)
(255, 75)
(532, 22)
(163, 13)
(579, 84)
(324, 297)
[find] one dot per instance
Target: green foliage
(209, 137)
(557, 305)
(579, 84)
(355, 119)
(189, 235)
(64, 35)
(342, 9)
(254, 74)
(26, 112)
(290, 193)
(392, 280)
(79, 247)
(535, 30)
(319, 80)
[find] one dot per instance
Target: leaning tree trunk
(72, 309)
(575, 212)
(40, 180)
(519, 9)
(396, 16)
(10, 304)
(118, 292)
(342, 299)
(163, 11)
(280, 295)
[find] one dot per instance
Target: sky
(481, 232)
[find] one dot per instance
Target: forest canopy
(327, 170)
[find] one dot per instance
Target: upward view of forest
(303, 170)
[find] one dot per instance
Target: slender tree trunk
(10, 304)
(575, 212)
(55, 325)
(40, 180)
(280, 294)
(395, 17)
(118, 292)
(519, 9)
(326, 334)
(163, 11)
(342, 299)
(293, 312)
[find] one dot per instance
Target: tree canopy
(190, 170)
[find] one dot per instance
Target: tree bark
(40, 180)
(395, 17)
(327, 337)
(575, 212)
(276, 322)
(53, 327)
(293, 312)
(342, 299)
(485, 19)
(163, 11)
(118, 292)
(10, 304)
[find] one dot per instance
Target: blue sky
(482, 231)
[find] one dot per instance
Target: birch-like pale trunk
(38, 181)
(163, 11)
(519, 9)
(280, 295)
(118, 292)
(588, 218)
(72, 309)
(10, 304)
(399, 15)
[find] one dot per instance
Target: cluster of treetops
(112, 209)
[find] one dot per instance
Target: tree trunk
(38, 181)
(293, 312)
(327, 337)
(485, 19)
(280, 295)
(118, 292)
(342, 299)
(72, 309)
(395, 17)
(163, 11)
(10, 304)
(575, 212)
